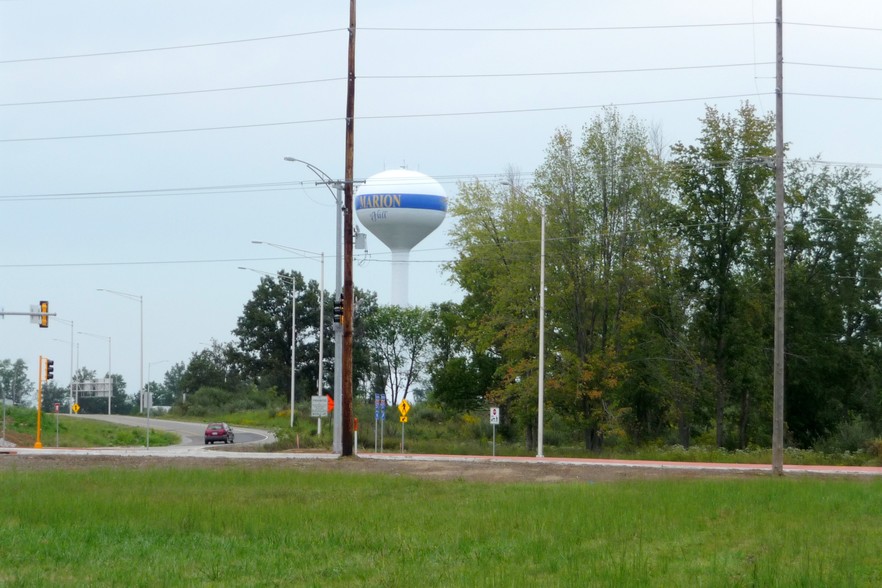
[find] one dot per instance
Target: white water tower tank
(400, 207)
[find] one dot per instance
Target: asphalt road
(191, 433)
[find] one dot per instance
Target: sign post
(56, 425)
(403, 409)
(494, 420)
(379, 419)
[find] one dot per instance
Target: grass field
(239, 526)
(67, 431)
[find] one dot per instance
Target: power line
(395, 77)
(177, 93)
(832, 26)
(426, 115)
(135, 263)
(310, 184)
(374, 117)
(557, 29)
(433, 29)
(834, 96)
(170, 47)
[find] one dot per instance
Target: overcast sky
(142, 143)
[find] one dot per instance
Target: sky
(142, 144)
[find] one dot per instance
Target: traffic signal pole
(39, 444)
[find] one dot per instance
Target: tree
(603, 199)
(497, 238)
(459, 377)
(14, 384)
(834, 325)
(53, 393)
(172, 382)
(722, 183)
(211, 367)
(400, 340)
(263, 348)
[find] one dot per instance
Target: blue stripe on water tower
(413, 201)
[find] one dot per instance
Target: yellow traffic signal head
(44, 314)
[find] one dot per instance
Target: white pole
(293, 341)
(319, 383)
(541, 406)
(141, 300)
(778, 383)
(109, 375)
(338, 334)
(70, 402)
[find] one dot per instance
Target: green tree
(722, 187)
(833, 316)
(213, 366)
(53, 393)
(497, 238)
(122, 403)
(172, 382)
(400, 340)
(14, 384)
(459, 377)
(602, 200)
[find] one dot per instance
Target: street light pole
(326, 180)
(778, 383)
(70, 400)
(541, 404)
(140, 300)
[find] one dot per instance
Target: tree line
(659, 275)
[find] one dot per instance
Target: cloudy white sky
(142, 143)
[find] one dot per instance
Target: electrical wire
(374, 117)
(310, 184)
(171, 47)
(391, 77)
(557, 29)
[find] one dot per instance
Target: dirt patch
(490, 472)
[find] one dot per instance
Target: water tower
(400, 207)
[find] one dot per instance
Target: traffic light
(50, 368)
(44, 314)
(338, 310)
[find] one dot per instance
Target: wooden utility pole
(778, 392)
(348, 294)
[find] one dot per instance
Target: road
(190, 433)
(248, 441)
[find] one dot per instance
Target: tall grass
(284, 526)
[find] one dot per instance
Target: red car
(218, 432)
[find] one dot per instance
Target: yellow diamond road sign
(76, 408)
(404, 407)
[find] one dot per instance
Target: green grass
(244, 527)
(21, 429)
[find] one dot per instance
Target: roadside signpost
(403, 409)
(494, 420)
(379, 419)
